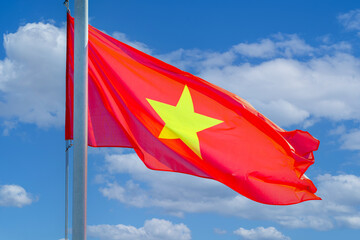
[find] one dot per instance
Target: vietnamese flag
(178, 122)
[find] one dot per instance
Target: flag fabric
(178, 122)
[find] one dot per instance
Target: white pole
(80, 120)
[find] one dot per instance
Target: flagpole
(80, 120)
(67, 147)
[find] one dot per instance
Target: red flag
(178, 122)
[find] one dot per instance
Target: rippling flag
(178, 122)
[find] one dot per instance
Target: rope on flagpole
(67, 147)
(66, 3)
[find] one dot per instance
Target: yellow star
(181, 122)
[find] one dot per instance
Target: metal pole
(67, 147)
(80, 120)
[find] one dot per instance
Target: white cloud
(153, 229)
(195, 60)
(324, 84)
(282, 112)
(350, 20)
(282, 45)
(178, 194)
(350, 221)
(264, 49)
(291, 81)
(261, 233)
(32, 76)
(340, 189)
(161, 195)
(325, 87)
(349, 139)
(14, 196)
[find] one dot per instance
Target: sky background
(297, 62)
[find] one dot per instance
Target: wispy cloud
(285, 45)
(350, 20)
(153, 229)
(178, 194)
(261, 233)
(220, 231)
(351, 140)
(135, 44)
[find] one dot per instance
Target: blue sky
(297, 62)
